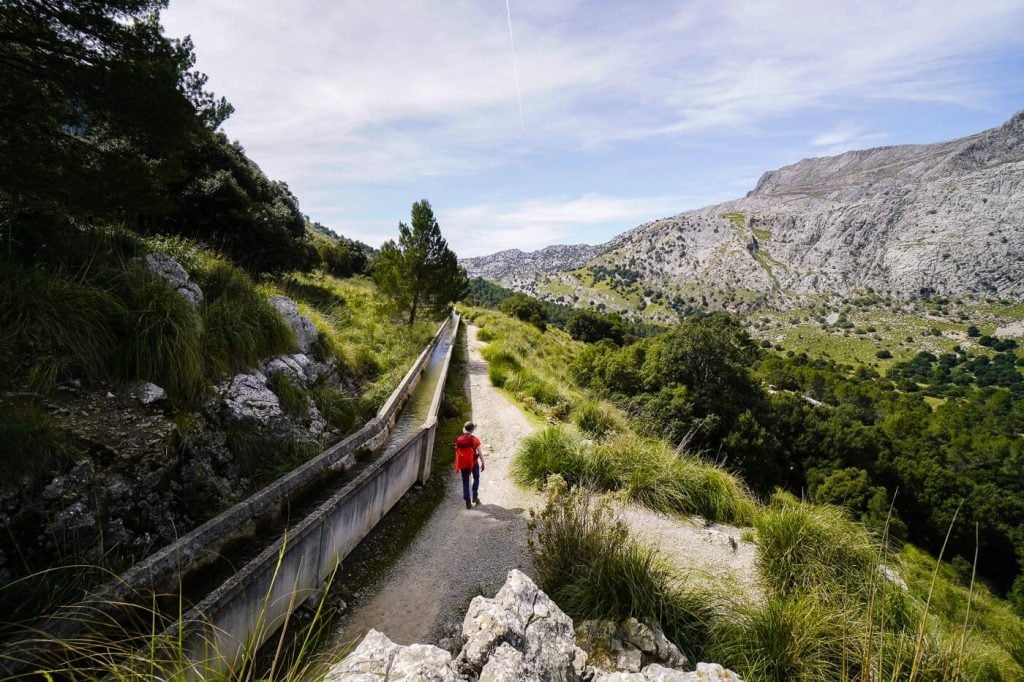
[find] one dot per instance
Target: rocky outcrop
(906, 221)
(521, 636)
(302, 369)
(248, 399)
(627, 646)
(306, 332)
(525, 619)
(171, 271)
(705, 672)
(378, 658)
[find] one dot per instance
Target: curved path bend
(461, 553)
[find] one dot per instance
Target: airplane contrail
(515, 68)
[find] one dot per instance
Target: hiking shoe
(469, 505)
(476, 500)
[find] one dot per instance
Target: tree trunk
(415, 304)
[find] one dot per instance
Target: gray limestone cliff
(906, 221)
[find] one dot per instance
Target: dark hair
(468, 427)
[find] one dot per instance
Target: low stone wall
(243, 612)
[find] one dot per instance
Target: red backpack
(465, 451)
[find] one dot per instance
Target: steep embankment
(906, 221)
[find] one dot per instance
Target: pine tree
(420, 271)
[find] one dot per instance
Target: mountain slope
(909, 220)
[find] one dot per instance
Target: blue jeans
(465, 481)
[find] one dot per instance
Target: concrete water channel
(229, 584)
(197, 584)
(234, 619)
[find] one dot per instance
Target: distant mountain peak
(905, 220)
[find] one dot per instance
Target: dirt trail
(460, 553)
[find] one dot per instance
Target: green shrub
(646, 470)
(56, 325)
(265, 458)
(596, 419)
(501, 365)
(782, 638)
(802, 547)
(340, 411)
(486, 335)
(498, 375)
(31, 445)
(552, 450)
(240, 328)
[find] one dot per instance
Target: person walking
(469, 460)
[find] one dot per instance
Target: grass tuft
(596, 419)
(588, 564)
(293, 398)
(802, 547)
(162, 335)
(645, 470)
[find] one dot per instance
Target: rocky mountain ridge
(905, 221)
(513, 265)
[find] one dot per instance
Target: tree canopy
(107, 122)
(97, 105)
(525, 308)
(419, 271)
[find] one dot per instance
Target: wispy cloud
(483, 228)
(846, 136)
(335, 93)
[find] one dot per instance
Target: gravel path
(460, 553)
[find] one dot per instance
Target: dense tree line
(582, 325)
(840, 434)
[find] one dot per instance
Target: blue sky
(632, 110)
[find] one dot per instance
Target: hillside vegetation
(83, 322)
(831, 611)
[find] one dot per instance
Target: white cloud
(480, 229)
(329, 93)
(844, 137)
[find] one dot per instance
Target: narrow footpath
(459, 553)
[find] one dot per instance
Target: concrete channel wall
(161, 571)
(243, 612)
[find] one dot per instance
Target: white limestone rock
(247, 397)
(705, 672)
(506, 665)
(627, 646)
(378, 658)
(639, 635)
(306, 332)
(148, 393)
(171, 271)
(526, 619)
(299, 367)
